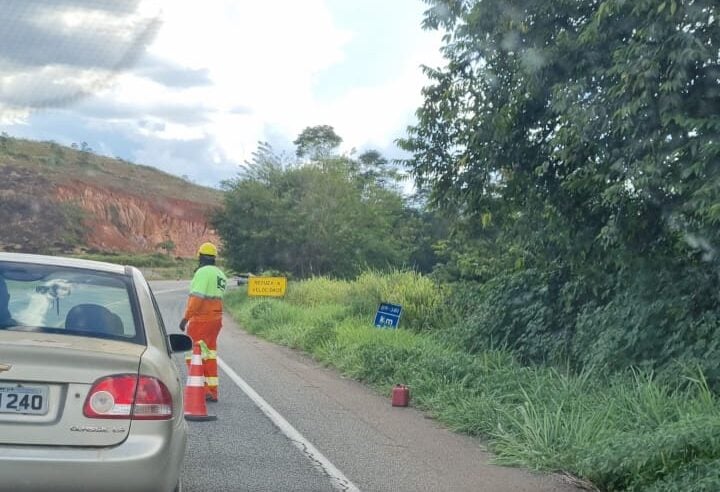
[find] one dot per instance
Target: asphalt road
(361, 436)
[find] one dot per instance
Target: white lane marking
(338, 479)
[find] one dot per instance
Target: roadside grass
(626, 432)
(182, 271)
(155, 266)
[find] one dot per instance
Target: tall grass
(319, 290)
(629, 432)
(419, 296)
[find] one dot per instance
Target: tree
(373, 166)
(84, 152)
(56, 153)
(317, 142)
(578, 144)
(168, 245)
(372, 159)
(264, 163)
(309, 219)
(577, 109)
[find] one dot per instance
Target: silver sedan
(90, 398)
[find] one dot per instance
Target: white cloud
(13, 116)
(52, 53)
(263, 57)
(371, 116)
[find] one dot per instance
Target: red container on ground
(400, 395)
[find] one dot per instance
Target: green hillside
(59, 163)
(35, 219)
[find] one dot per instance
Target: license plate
(20, 398)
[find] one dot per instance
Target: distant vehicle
(90, 398)
(242, 278)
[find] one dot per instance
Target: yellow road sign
(267, 286)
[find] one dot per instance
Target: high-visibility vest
(206, 294)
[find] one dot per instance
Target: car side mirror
(180, 342)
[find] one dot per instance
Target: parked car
(90, 398)
(242, 278)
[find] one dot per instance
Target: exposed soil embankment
(118, 220)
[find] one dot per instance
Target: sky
(191, 87)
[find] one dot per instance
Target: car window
(67, 301)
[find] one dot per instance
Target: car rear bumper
(140, 463)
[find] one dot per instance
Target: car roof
(63, 262)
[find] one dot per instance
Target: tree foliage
(168, 245)
(335, 216)
(580, 141)
(317, 142)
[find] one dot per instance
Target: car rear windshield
(69, 301)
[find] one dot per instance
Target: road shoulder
(379, 447)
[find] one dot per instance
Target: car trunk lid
(46, 380)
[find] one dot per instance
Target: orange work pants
(207, 331)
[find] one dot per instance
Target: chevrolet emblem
(5, 367)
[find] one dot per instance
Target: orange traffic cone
(195, 408)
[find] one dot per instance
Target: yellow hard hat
(207, 249)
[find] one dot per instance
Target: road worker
(203, 314)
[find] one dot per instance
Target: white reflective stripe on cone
(196, 381)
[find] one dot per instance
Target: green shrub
(321, 323)
(420, 298)
(627, 430)
(654, 320)
(318, 290)
(634, 460)
(697, 476)
(318, 335)
(517, 311)
(236, 301)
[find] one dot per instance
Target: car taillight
(152, 400)
(128, 396)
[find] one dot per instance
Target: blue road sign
(388, 315)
